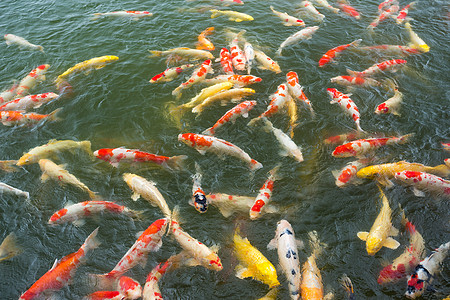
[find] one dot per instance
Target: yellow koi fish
(231, 14)
(416, 41)
(235, 95)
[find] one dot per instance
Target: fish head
(333, 93)
(25, 159)
(104, 154)
(416, 283)
(128, 177)
(110, 58)
(130, 288)
(56, 217)
(269, 274)
(367, 172)
(382, 109)
(373, 245)
(345, 150)
(200, 202)
(214, 262)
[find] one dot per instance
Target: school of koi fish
(219, 74)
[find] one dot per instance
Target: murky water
(116, 106)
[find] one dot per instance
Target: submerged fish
(9, 247)
(5, 188)
(311, 286)
(28, 102)
(12, 118)
(12, 39)
(304, 34)
(194, 54)
(31, 80)
(232, 15)
(135, 14)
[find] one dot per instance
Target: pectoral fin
(135, 196)
(418, 193)
(385, 182)
(272, 244)
(362, 235)
(393, 231)
(391, 243)
(202, 152)
(44, 177)
(243, 272)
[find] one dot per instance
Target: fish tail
(405, 138)
(278, 52)
(214, 13)
(275, 173)
(9, 247)
(40, 48)
(94, 195)
(86, 145)
(352, 73)
(356, 43)
(209, 131)
(96, 16)
(389, 84)
(155, 52)
(177, 92)
(104, 281)
(197, 110)
(9, 165)
(442, 170)
(53, 115)
(255, 165)
(137, 215)
(316, 245)
(91, 241)
(177, 162)
(346, 283)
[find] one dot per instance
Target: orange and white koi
(313, 13)
(197, 76)
(392, 49)
(391, 105)
(104, 295)
(5, 188)
(289, 148)
(347, 174)
(304, 34)
(416, 41)
(151, 289)
(62, 271)
(9, 94)
(296, 90)
(135, 14)
(383, 15)
(31, 80)
(118, 155)
(386, 4)
(339, 139)
(233, 95)
(194, 54)
(28, 102)
(205, 143)
(203, 43)
(129, 288)
(50, 170)
(349, 10)
(199, 200)
(286, 19)
(408, 260)
(237, 80)
(346, 104)
(77, 211)
(355, 81)
(170, 73)
(426, 272)
(9, 247)
(264, 195)
(266, 63)
(331, 54)
(311, 286)
(225, 61)
(249, 53)
(325, 4)
(12, 118)
(237, 55)
(231, 115)
(389, 65)
(204, 256)
(12, 39)
(287, 248)
(278, 100)
(231, 14)
(149, 241)
(361, 147)
(403, 13)
(422, 181)
(141, 187)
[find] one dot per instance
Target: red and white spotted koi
(264, 195)
(237, 80)
(231, 115)
(80, 210)
(104, 295)
(230, 204)
(203, 255)
(346, 104)
(149, 241)
(237, 55)
(31, 80)
(62, 271)
(197, 76)
(278, 100)
(28, 102)
(170, 73)
(347, 175)
(205, 143)
(11, 118)
(118, 155)
(331, 54)
(286, 19)
(346, 80)
(389, 65)
(402, 15)
(383, 15)
(225, 61)
(130, 288)
(361, 147)
(422, 181)
(203, 43)
(391, 105)
(296, 90)
(339, 139)
(349, 10)
(392, 49)
(135, 14)
(266, 63)
(313, 13)
(199, 200)
(9, 94)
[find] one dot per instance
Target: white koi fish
(9, 94)
(134, 14)
(232, 15)
(304, 34)
(312, 12)
(12, 39)
(4, 188)
(391, 105)
(391, 49)
(194, 54)
(389, 65)
(278, 100)
(249, 56)
(264, 195)
(325, 4)
(170, 73)
(296, 90)
(416, 41)
(286, 19)
(422, 181)
(286, 245)
(31, 80)
(197, 76)
(346, 104)
(28, 102)
(233, 95)
(9, 247)
(287, 144)
(266, 63)
(205, 143)
(229, 204)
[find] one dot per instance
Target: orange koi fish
(198, 75)
(203, 43)
(383, 15)
(311, 286)
(237, 80)
(170, 73)
(62, 271)
(348, 173)
(349, 10)
(278, 100)
(264, 195)
(345, 103)
(28, 102)
(11, 118)
(331, 54)
(296, 90)
(225, 61)
(389, 65)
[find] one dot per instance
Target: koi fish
(408, 260)
(104, 295)
(12, 39)
(381, 230)
(5, 188)
(349, 10)
(286, 245)
(383, 15)
(296, 90)
(149, 241)
(346, 283)
(234, 95)
(31, 80)
(325, 4)
(386, 4)
(346, 104)
(147, 190)
(232, 15)
(205, 143)
(193, 54)
(199, 200)
(286, 19)
(271, 294)
(225, 61)
(264, 195)
(312, 12)
(278, 100)
(237, 80)
(293, 116)
(136, 15)
(12, 118)
(391, 105)
(361, 147)
(229, 204)
(426, 271)
(266, 62)
(170, 73)
(9, 94)
(203, 43)
(416, 41)
(117, 155)
(85, 66)
(403, 13)
(311, 286)
(355, 81)
(204, 256)
(28, 102)
(347, 174)
(231, 115)
(421, 181)
(237, 55)
(50, 149)
(9, 247)
(249, 53)
(130, 288)
(331, 54)
(51, 170)
(288, 145)
(304, 34)
(63, 270)
(392, 49)
(389, 65)
(75, 212)
(197, 76)
(339, 139)
(252, 263)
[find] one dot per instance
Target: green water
(116, 106)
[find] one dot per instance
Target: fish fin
(215, 248)
(226, 211)
(214, 13)
(335, 173)
(272, 245)
(362, 235)
(283, 153)
(271, 209)
(385, 182)
(177, 162)
(418, 193)
(9, 247)
(44, 177)
(300, 244)
(143, 260)
(104, 281)
(202, 152)
(135, 196)
(391, 243)
(208, 131)
(53, 115)
(393, 231)
(243, 272)
(191, 262)
(55, 263)
(329, 296)
(352, 73)
(245, 115)
(79, 222)
(8, 42)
